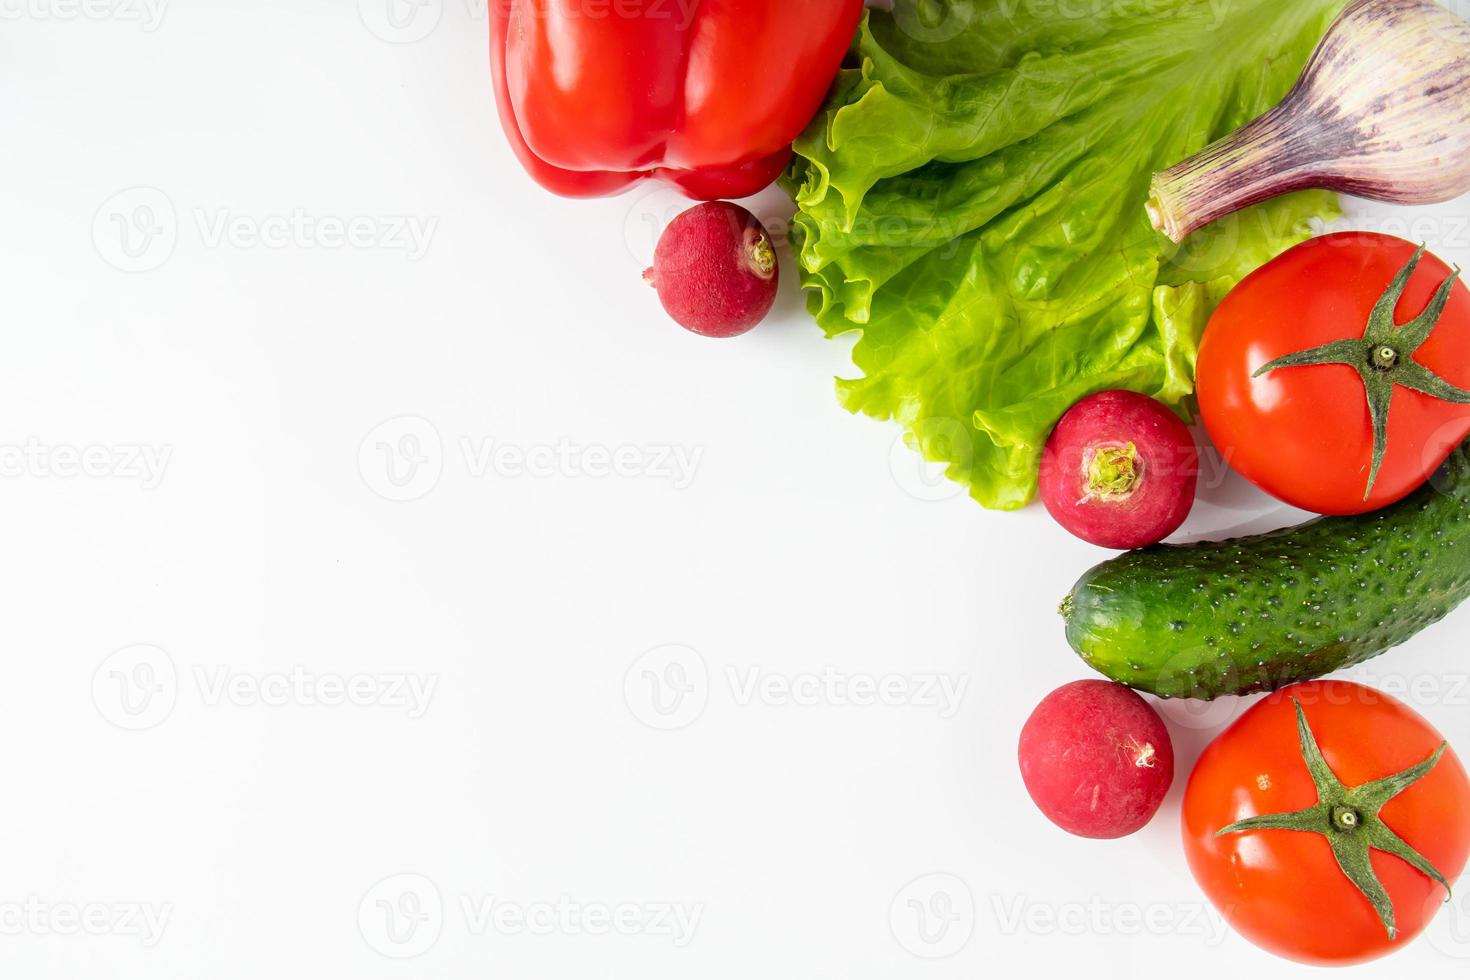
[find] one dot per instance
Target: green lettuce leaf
(972, 200)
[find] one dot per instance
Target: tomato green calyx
(1113, 472)
(1383, 357)
(1348, 817)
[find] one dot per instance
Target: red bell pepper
(706, 94)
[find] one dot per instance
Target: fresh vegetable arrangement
(974, 206)
(1013, 213)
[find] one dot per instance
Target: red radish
(715, 270)
(1120, 470)
(1097, 759)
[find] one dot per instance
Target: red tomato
(1304, 434)
(1283, 889)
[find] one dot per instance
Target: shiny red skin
(1303, 434)
(595, 95)
(704, 273)
(1169, 474)
(1282, 889)
(1096, 759)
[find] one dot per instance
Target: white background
(285, 391)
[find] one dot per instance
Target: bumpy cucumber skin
(1258, 613)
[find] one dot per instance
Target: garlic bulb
(1382, 111)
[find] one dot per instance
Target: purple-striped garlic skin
(1382, 111)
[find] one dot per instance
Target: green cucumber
(1258, 613)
